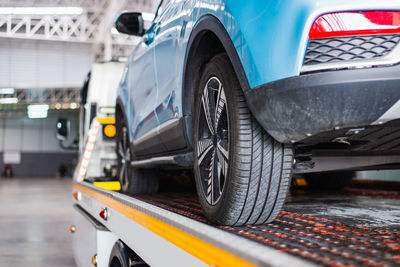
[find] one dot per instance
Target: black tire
(259, 168)
(122, 256)
(132, 180)
(329, 180)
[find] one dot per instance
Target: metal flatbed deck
(355, 227)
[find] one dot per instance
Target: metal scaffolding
(48, 96)
(93, 25)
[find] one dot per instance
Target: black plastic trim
(173, 137)
(162, 140)
(206, 24)
(178, 160)
(292, 108)
(212, 24)
(120, 104)
(150, 145)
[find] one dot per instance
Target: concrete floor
(35, 216)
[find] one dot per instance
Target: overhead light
(147, 16)
(37, 114)
(114, 31)
(73, 105)
(38, 111)
(122, 59)
(9, 100)
(41, 10)
(7, 91)
(38, 107)
(107, 110)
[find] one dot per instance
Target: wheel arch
(120, 113)
(207, 39)
(122, 256)
(119, 255)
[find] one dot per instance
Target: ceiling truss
(92, 26)
(49, 96)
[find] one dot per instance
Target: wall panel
(31, 135)
(43, 64)
(12, 134)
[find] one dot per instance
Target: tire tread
(261, 169)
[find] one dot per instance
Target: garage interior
(47, 48)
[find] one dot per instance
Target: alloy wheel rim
(124, 155)
(213, 140)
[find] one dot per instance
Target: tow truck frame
(354, 227)
(158, 236)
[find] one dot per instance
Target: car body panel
(168, 60)
(138, 92)
(269, 37)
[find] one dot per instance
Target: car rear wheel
(242, 173)
(132, 180)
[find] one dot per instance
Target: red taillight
(104, 214)
(355, 23)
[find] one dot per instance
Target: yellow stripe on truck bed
(202, 250)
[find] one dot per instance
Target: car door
(167, 67)
(143, 98)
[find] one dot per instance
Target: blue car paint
(139, 84)
(168, 60)
(270, 38)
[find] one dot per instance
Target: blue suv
(246, 93)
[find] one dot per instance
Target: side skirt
(167, 137)
(180, 160)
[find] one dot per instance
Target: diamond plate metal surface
(354, 227)
(351, 48)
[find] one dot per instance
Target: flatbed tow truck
(358, 226)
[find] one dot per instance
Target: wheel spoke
(121, 151)
(122, 173)
(124, 158)
(126, 176)
(124, 139)
(217, 189)
(210, 182)
(204, 146)
(128, 155)
(207, 111)
(223, 157)
(213, 140)
(221, 101)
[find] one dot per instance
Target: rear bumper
(292, 109)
